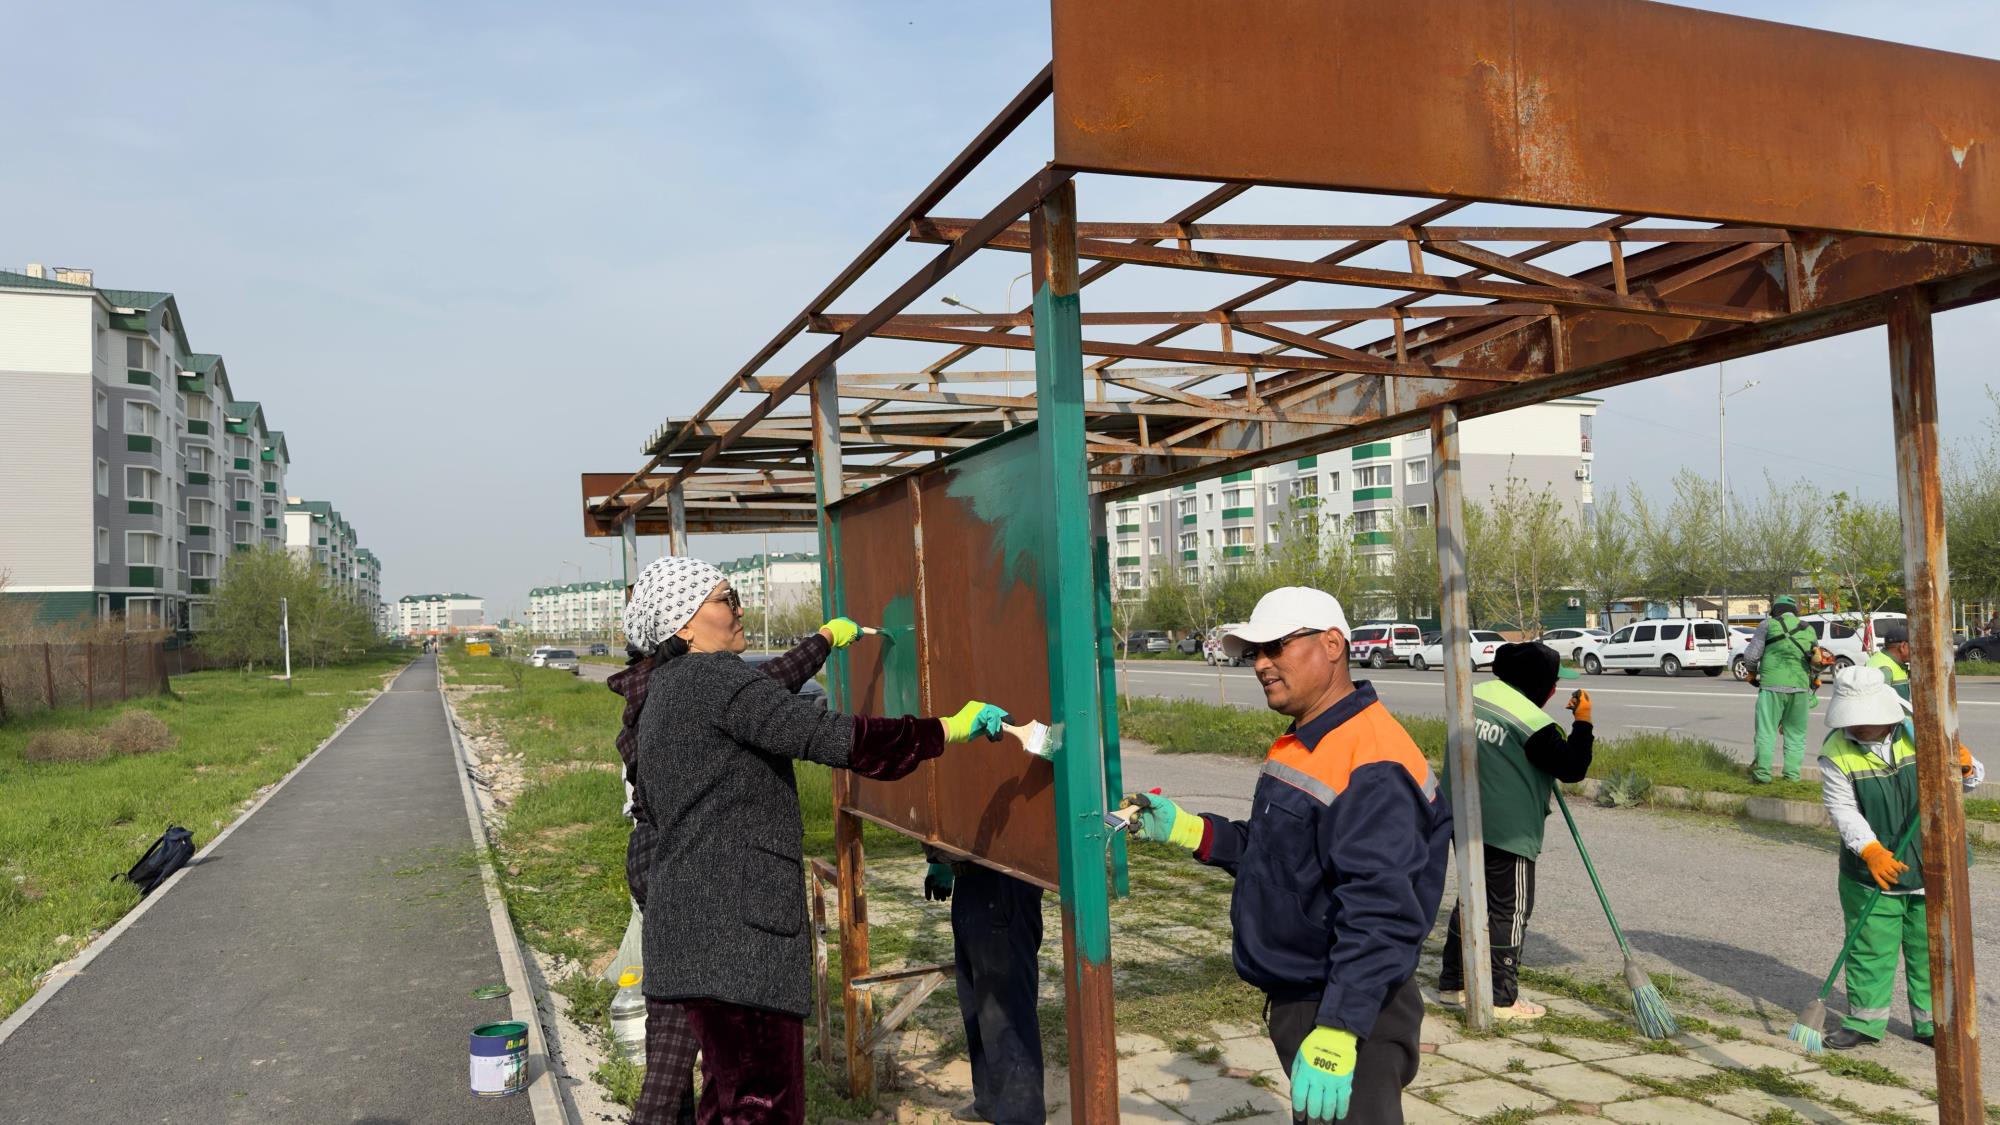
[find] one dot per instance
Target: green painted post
(1070, 603)
(1107, 694)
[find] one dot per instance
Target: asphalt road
(1749, 915)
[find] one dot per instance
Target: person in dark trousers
(1338, 870)
(996, 942)
(1523, 754)
(726, 934)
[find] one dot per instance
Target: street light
(1722, 488)
(1006, 354)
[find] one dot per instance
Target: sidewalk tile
(1239, 1031)
(1133, 1043)
(1437, 1070)
(1756, 1105)
(1139, 1107)
(1577, 1082)
(1249, 1053)
(1232, 1097)
(1439, 1031)
(1590, 1050)
(1417, 1111)
(1750, 1056)
(1669, 1111)
(1658, 1066)
(1867, 1095)
(1498, 1055)
(1158, 1070)
(1490, 1095)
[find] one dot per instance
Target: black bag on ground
(168, 854)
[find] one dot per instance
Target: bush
(1624, 789)
(66, 746)
(138, 732)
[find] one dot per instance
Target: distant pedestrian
(1780, 656)
(1993, 624)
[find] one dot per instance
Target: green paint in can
(500, 1059)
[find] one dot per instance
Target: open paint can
(500, 1059)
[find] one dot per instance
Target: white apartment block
(1362, 492)
(425, 614)
(580, 609)
(131, 471)
(779, 579)
(316, 532)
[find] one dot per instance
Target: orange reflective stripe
(1371, 736)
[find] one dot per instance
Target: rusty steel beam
(1407, 232)
(1933, 696)
(1493, 100)
(835, 322)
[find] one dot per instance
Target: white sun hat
(1862, 697)
(1282, 612)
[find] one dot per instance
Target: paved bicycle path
(316, 967)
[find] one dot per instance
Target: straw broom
(1810, 1029)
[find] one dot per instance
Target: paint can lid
(490, 992)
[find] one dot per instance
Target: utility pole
(285, 634)
(1722, 497)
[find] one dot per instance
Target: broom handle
(1592, 869)
(1861, 919)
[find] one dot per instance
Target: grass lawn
(70, 826)
(1977, 668)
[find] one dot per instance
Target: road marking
(1745, 695)
(1649, 707)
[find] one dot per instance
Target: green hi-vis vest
(1513, 794)
(1893, 672)
(1886, 793)
(1787, 659)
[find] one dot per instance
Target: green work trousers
(1781, 712)
(1896, 925)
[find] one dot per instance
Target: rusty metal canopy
(1694, 187)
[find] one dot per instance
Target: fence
(37, 677)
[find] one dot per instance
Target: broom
(1810, 1029)
(1655, 1021)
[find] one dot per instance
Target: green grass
(1185, 726)
(1690, 764)
(70, 826)
(1977, 668)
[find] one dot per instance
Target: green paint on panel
(1378, 492)
(1238, 513)
(1370, 538)
(1003, 485)
(1372, 449)
(1235, 552)
(1235, 478)
(901, 684)
(53, 607)
(1309, 462)
(1189, 518)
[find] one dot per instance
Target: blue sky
(462, 252)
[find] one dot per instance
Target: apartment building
(785, 579)
(316, 532)
(423, 614)
(1362, 493)
(580, 609)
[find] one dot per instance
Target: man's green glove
(973, 718)
(840, 631)
(938, 878)
(1323, 1075)
(1163, 821)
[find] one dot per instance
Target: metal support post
(1107, 692)
(677, 523)
(1070, 603)
(1461, 744)
(1947, 888)
(628, 536)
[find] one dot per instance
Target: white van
(1380, 645)
(1667, 645)
(1841, 635)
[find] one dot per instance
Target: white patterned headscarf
(669, 592)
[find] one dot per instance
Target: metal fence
(38, 677)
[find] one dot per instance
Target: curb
(525, 1003)
(90, 952)
(1772, 810)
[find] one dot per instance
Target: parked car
(1571, 644)
(1841, 634)
(1985, 648)
(1189, 645)
(1485, 643)
(1146, 640)
(539, 657)
(1739, 641)
(563, 659)
(600, 649)
(1381, 645)
(811, 689)
(1667, 645)
(1212, 651)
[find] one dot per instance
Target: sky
(462, 252)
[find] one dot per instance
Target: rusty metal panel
(1605, 105)
(965, 611)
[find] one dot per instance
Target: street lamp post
(1006, 357)
(1722, 496)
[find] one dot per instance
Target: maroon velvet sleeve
(886, 749)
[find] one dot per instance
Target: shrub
(138, 732)
(1624, 789)
(66, 746)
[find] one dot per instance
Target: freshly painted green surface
(1004, 490)
(902, 683)
(1370, 538)
(57, 606)
(238, 428)
(1378, 492)
(1238, 513)
(1190, 518)
(1070, 606)
(138, 443)
(195, 385)
(1235, 478)
(142, 507)
(269, 455)
(1372, 449)
(1235, 552)
(1107, 692)
(1309, 462)
(142, 576)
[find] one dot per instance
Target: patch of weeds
(1517, 1066)
(1243, 1113)
(1583, 1027)
(1846, 1066)
(1507, 1115)
(1781, 1117)
(1625, 789)
(1208, 1054)
(589, 999)
(1774, 1082)
(621, 1078)
(1262, 1081)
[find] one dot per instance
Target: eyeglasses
(729, 598)
(1272, 649)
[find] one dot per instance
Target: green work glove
(1323, 1075)
(938, 878)
(973, 718)
(840, 631)
(1163, 821)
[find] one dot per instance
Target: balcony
(142, 576)
(141, 443)
(140, 377)
(195, 478)
(142, 507)
(198, 426)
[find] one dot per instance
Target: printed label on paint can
(499, 1059)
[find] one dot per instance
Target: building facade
(316, 532)
(580, 609)
(429, 614)
(131, 470)
(787, 579)
(1362, 493)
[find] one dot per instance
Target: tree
(1171, 602)
(326, 625)
(1679, 549)
(1525, 551)
(1413, 581)
(1972, 511)
(797, 616)
(1864, 553)
(1780, 536)
(1607, 561)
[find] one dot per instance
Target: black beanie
(1529, 667)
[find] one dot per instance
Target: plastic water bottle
(628, 1015)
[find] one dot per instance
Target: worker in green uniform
(1523, 754)
(1894, 657)
(1868, 781)
(1780, 656)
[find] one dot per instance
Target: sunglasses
(1271, 649)
(729, 598)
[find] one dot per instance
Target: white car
(1841, 634)
(1571, 644)
(540, 657)
(1485, 643)
(1667, 645)
(1384, 644)
(1211, 649)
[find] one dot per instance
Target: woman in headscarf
(725, 929)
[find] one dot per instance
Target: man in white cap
(1339, 868)
(1868, 778)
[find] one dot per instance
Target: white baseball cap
(1862, 697)
(1282, 612)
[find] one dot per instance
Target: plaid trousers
(667, 1097)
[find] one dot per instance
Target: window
(135, 351)
(1379, 565)
(1210, 505)
(1239, 536)
(1417, 472)
(242, 532)
(141, 419)
(1708, 630)
(1368, 521)
(1128, 580)
(103, 546)
(1153, 512)
(1418, 515)
(1622, 636)
(1270, 494)
(201, 565)
(1127, 515)
(143, 615)
(103, 411)
(1153, 545)
(141, 484)
(1237, 498)
(1271, 531)
(142, 549)
(1643, 633)
(201, 513)
(1187, 506)
(1191, 573)
(1671, 632)
(1305, 486)
(1333, 482)
(1190, 541)
(103, 477)
(1373, 476)
(1842, 630)
(1211, 538)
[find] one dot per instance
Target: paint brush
(1034, 738)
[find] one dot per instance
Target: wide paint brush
(1034, 738)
